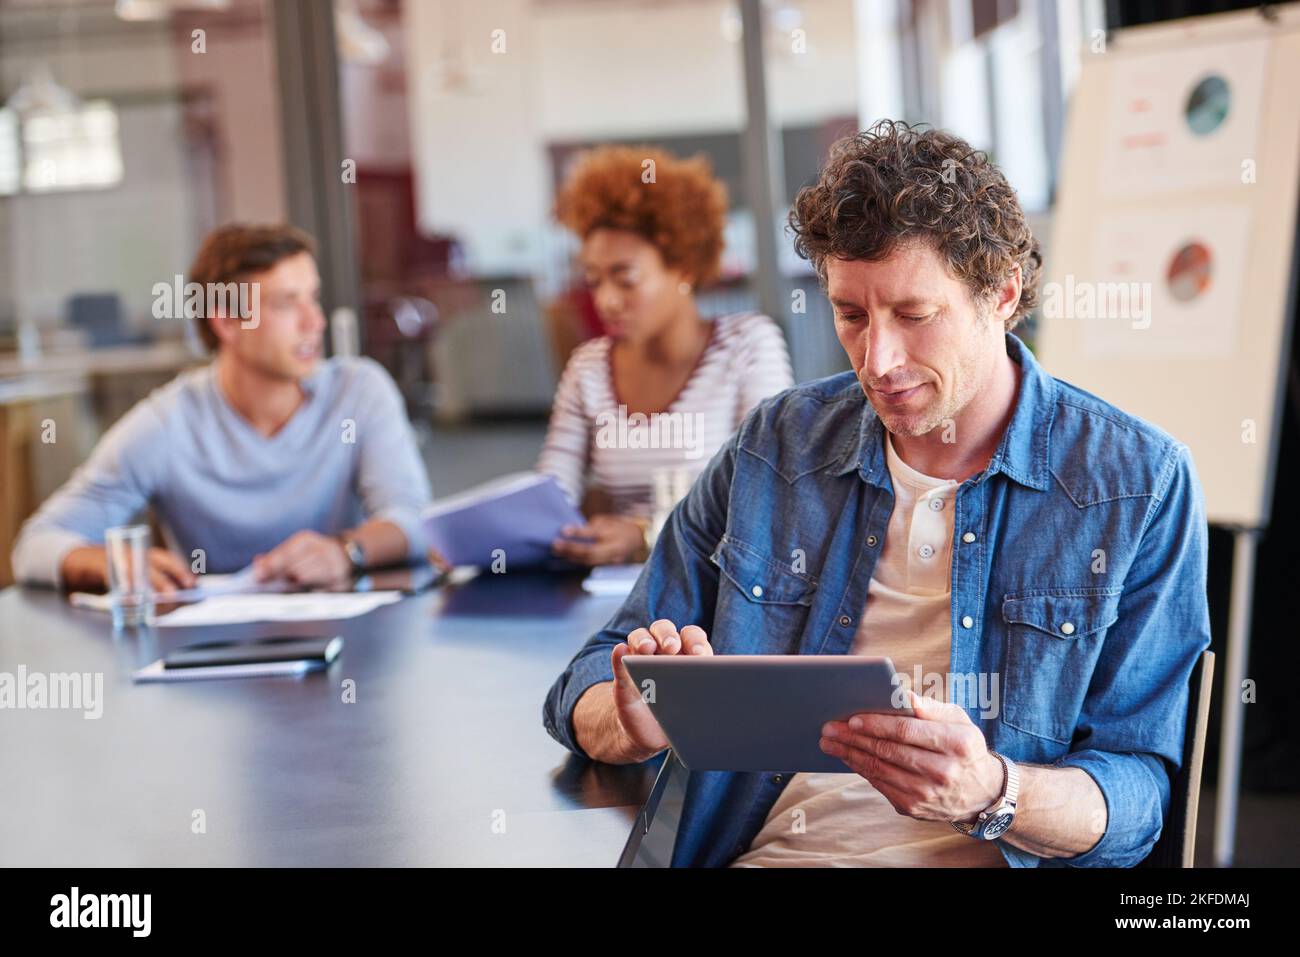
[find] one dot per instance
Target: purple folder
(518, 514)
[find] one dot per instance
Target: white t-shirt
(841, 820)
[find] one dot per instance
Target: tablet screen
(760, 712)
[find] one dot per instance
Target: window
(48, 152)
(10, 168)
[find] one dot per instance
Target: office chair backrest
(654, 833)
(100, 316)
(1176, 846)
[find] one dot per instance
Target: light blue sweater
(347, 455)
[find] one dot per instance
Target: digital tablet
(759, 712)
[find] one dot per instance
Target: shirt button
(936, 504)
(968, 537)
(925, 551)
(967, 621)
(777, 779)
(1067, 628)
(845, 620)
(871, 540)
(757, 591)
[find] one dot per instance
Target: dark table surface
(441, 760)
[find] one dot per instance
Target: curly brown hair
(681, 212)
(897, 183)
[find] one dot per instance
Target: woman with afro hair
(654, 398)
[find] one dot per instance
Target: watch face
(998, 824)
(356, 555)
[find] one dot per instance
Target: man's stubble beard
(941, 410)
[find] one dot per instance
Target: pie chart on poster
(1207, 105)
(1188, 275)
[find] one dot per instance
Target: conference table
(439, 759)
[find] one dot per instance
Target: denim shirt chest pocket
(764, 602)
(1052, 641)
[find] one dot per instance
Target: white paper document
(243, 581)
(240, 581)
(308, 606)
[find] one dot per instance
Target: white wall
(584, 71)
(479, 167)
(376, 128)
(880, 79)
(239, 69)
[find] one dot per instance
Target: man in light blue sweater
(271, 455)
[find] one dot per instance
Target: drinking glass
(130, 597)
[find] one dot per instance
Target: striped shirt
(594, 442)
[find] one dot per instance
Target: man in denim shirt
(1077, 536)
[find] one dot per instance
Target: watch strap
(1007, 799)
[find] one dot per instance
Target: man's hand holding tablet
(612, 721)
(933, 765)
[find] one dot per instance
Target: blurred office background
(422, 142)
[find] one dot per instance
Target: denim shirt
(1078, 582)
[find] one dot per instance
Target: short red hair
(682, 213)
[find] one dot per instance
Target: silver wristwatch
(356, 554)
(993, 822)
